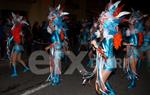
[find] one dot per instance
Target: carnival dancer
(87, 76)
(135, 40)
(105, 60)
(57, 30)
(16, 36)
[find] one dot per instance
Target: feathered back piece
(117, 40)
(118, 10)
(56, 16)
(57, 12)
(111, 17)
(141, 39)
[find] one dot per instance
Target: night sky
(142, 5)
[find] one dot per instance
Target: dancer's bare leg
(13, 61)
(19, 59)
(133, 65)
(105, 76)
(133, 74)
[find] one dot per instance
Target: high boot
(139, 64)
(111, 91)
(133, 82)
(106, 93)
(25, 69)
(87, 77)
(56, 80)
(14, 74)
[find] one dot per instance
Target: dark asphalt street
(31, 84)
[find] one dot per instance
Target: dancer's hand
(52, 45)
(47, 48)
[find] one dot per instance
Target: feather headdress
(56, 17)
(16, 18)
(110, 19)
(112, 16)
(17, 22)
